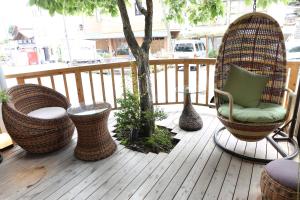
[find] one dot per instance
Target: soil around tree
(140, 144)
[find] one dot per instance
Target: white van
(189, 49)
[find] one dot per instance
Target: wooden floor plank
(154, 177)
(271, 152)
(206, 174)
(25, 177)
(243, 183)
(229, 184)
(182, 158)
(180, 176)
(261, 149)
(220, 172)
(62, 177)
(174, 155)
(254, 193)
(190, 180)
(101, 165)
(87, 187)
(140, 179)
(110, 189)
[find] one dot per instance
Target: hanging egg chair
(252, 45)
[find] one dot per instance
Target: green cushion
(245, 87)
(264, 113)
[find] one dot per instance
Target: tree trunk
(145, 95)
(141, 54)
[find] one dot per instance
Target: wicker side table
(94, 141)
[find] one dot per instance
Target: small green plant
(128, 117)
(161, 140)
(129, 114)
(129, 122)
(3, 96)
(212, 53)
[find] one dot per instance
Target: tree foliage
(73, 7)
(264, 3)
(195, 11)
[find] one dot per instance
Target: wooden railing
(107, 82)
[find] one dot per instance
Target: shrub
(212, 53)
(3, 96)
(129, 116)
(129, 122)
(160, 140)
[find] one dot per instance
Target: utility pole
(67, 40)
(167, 25)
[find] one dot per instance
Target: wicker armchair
(36, 135)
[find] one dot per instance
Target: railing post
(134, 77)
(79, 87)
(293, 77)
(207, 84)
(20, 81)
(186, 75)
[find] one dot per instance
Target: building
(107, 31)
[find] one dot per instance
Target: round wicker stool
(94, 141)
(279, 180)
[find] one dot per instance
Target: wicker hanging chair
(254, 42)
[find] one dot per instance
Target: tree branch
(140, 7)
(129, 35)
(148, 26)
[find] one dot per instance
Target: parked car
(293, 53)
(189, 49)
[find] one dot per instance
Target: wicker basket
(33, 134)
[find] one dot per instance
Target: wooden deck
(194, 169)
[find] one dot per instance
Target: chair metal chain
(254, 5)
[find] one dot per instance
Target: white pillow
(48, 113)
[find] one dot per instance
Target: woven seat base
(36, 135)
(94, 140)
(96, 153)
(272, 190)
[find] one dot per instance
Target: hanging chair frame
(273, 140)
(261, 129)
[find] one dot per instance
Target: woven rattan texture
(33, 134)
(272, 190)
(255, 42)
(94, 140)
